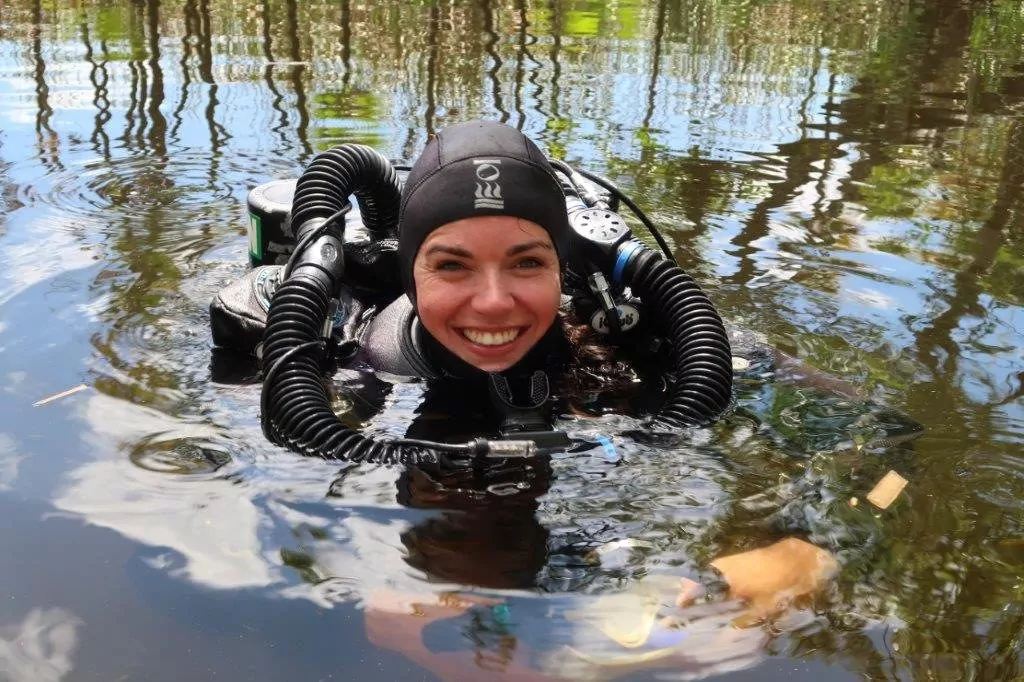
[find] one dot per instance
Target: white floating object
(63, 394)
(887, 490)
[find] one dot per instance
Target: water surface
(846, 178)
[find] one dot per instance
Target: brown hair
(592, 368)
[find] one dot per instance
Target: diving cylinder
(271, 239)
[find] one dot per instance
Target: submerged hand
(770, 578)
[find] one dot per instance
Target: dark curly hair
(591, 369)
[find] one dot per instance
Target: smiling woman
(490, 243)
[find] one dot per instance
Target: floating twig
(63, 394)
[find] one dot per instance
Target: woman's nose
(493, 296)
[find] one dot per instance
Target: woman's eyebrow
(450, 250)
(526, 246)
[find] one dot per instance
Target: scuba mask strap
(525, 422)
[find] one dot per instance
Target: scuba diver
(505, 281)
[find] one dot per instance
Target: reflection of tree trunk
(99, 78)
(534, 79)
(820, 207)
(652, 85)
(556, 48)
(46, 138)
(946, 29)
(138, 66)
(158, 127)
(204, 45)
(966, 286)
(432, 47)
(517, 92)
(268, 75)
(346, 44)
(962, 420)
(1008, 194)
(211, 108)
(799, 170)
(140, 73)
(126, 136)
(191, 26)
(800, 156)
(218, 134)
(412, 132)
(882, 113)
(297, 71)
(489, 47)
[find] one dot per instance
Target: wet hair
(590, 369)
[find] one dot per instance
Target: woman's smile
(492, 338)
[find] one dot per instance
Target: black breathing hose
(296, 407)
(347, 169)
(701, 357)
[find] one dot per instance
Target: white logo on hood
(488, 191)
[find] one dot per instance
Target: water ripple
(188, 182)
(178, 455)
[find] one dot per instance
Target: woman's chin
(491, 362)
(493, 368)
(491, 365)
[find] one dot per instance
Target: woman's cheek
(549, 292)
(436, 303)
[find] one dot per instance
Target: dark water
(846, 178)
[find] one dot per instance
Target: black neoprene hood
(478, 168)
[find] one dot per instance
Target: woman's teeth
(491, 338)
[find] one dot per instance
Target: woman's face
(487, 288)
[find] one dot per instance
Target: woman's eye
(530, 263)
(449, 266)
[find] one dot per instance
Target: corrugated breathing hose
(701, 358)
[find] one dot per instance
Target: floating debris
(617, 554)
(629, 617)
(887, 490)
(63, 394)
